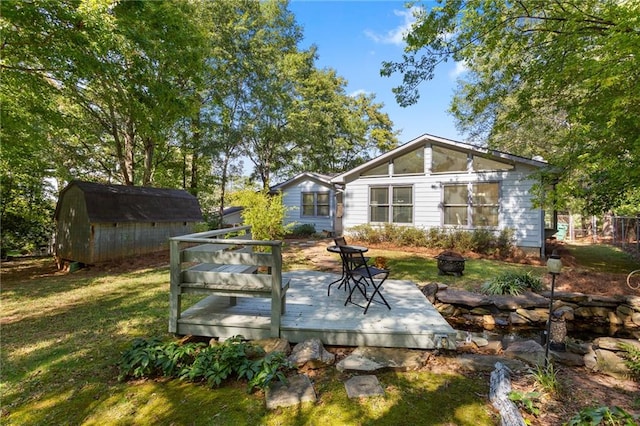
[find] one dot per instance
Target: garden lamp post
(554, 266)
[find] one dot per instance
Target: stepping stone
(363, 386)
(298, 389)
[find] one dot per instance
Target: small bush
(198, 362)
(547, 378)
(602, 415)
(481, 241)
(513, 283)
(303, 230)
(631, 355)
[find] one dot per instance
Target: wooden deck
(412, 322)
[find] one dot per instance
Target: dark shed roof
(120, 203)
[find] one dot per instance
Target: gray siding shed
(97, 222)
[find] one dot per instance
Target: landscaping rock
(430, 291)
(298, 389)
(274, 344)
(312, 354)
(372, 359)
(363, 386)
(611, 364)
(528, 351)
(525, 300)
(462, 297)
(569, 358)
(486, 363)
(613, 343)
(516, 319)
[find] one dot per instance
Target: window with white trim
(471, 204)
(315, 204)
(392, 204)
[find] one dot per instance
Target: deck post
(174, 286)
(277, 298)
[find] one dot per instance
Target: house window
(481, 164)
(411, 163)
(381, 170)
(445, 160)
(315, 204)
(395, 209)
(471, 204)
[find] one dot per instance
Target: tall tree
(561, 75)
(125, 70)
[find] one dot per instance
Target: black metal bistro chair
(361, 275)
(355, 260)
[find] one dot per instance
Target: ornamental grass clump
(512, 283)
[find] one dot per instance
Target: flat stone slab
(298, 389)
(375, 358)
(363, 386)
(463, 297)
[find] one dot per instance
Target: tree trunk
(149, 150)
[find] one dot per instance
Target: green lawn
(62, 336)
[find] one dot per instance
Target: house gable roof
(120, 203)
(316, 177)
(436, 140)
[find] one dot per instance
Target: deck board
(412, 322)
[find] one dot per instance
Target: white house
(436, 182)
(311, 199)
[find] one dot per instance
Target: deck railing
(208, 263)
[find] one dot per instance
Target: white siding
(292, 198)
(515, 210)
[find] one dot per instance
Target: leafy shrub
(199, 362)
(505, 242)
(529, 401)
(631, 355)
(512, 283)
(150, 358)
(483, 241)
(263, 211)
(303, 230)
(413, 237)
(480, 240)
(602, 415)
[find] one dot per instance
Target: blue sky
(355, 37)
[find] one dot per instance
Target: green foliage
(513, 283)
(263, 212)
(198, 362)
(541, 79)
(303, 230)
(606, 416)
(479, 240)
(153, 357)
(547, 378)
(529, 401)
(631, 354)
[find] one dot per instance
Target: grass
(603, 258)
(62, 336)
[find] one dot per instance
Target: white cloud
(395, 35)
(460, 68)
(359, 92)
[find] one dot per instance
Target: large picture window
(471, 204)
(444, 160)
(410, 163)
(391, 204)
(315, 204)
